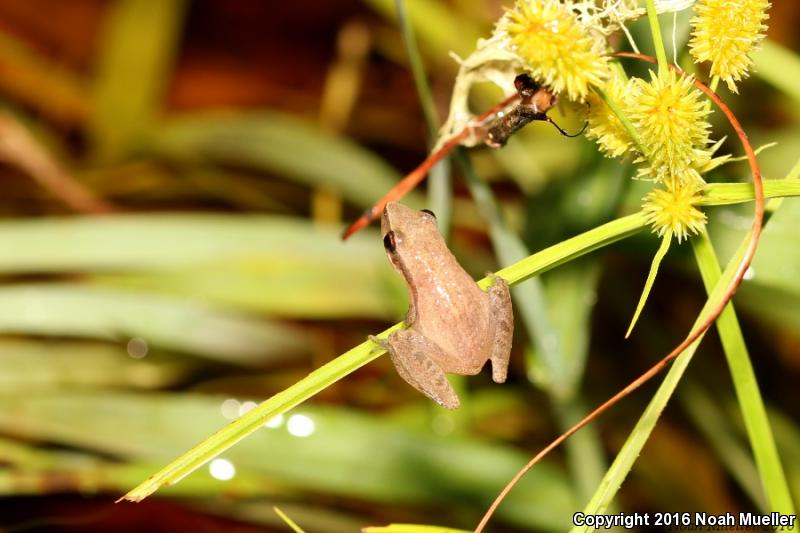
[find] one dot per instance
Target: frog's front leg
(415, 358)
(500, 302)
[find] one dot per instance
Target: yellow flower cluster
(603, 124)
(558, 50)
(669, 114)
(724, 32)
(673, 210)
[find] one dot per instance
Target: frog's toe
(382, 343)
(450, 402)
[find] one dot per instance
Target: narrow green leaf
(77, 310)
(441, 29)
(734, 193)
(138, 44)
(237, 261)
(571, 248)
(440, 192)
(280, 144)
(778, 66)
(289, 521)
(41, 83)
(651, 278)
(30, 365)
(747, 391)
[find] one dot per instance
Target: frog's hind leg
(415, 358)
(503, 316)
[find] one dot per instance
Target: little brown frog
(453, 326)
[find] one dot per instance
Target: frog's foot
(500, 298)
(495, 278)
(415, 356)
(382, 343)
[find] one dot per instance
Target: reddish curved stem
(744, 264)
(413, 178)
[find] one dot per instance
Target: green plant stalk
(368, 351)
(658, 41)
(570, 249)
(734, 193)
(289, 522)
(417, 69)
(630, 451)
(255, 418)
(131, 72)
(791, 178)
(439, 186)
(651, 278)
(622, 117)
(754, 414)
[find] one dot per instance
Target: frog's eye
(389, 242)
(431, 213)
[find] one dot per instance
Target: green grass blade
(257, 417)
(363, 354)
(30, 365)
(147, 242)
(630, 451)
(571, 248)
(137, 47)
(440, 192)
(46, 86)
(655, 31)
(289, 521)
(734, 193)
(778, 66)
(747, 391)
(280, 144)
(236, 261)
(78, 310)
(651, 278)
(441, 29)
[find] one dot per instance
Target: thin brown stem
(413, 178)
(20, 149)
(744, 264)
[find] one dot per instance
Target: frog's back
(455, 314)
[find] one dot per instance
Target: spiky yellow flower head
(673, 210)
(725, 32)
(559, 51)
(604, 126)
(670, 115)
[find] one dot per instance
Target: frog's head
(404, 228)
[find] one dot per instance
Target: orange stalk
(413, 178)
